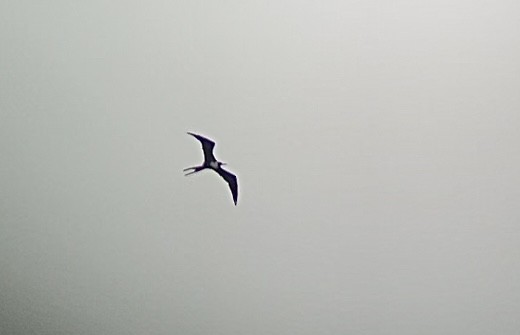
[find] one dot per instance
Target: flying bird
(210, 162)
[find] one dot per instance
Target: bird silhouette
(210, 162)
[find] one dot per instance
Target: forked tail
(194, 168)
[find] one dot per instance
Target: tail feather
(194, 168)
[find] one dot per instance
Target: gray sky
(376, 145)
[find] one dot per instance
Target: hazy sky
(376, 143)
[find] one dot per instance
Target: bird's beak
(223, 164)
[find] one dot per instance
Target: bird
(210, 162)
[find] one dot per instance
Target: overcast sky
(376, 143)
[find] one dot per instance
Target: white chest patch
(214, 165)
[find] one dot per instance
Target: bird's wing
(207, 147)
(231, 179)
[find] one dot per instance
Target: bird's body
(210, 162)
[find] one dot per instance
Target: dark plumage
(210, 162)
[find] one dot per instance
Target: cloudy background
(376, 144)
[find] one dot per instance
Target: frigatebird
(210, 162)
